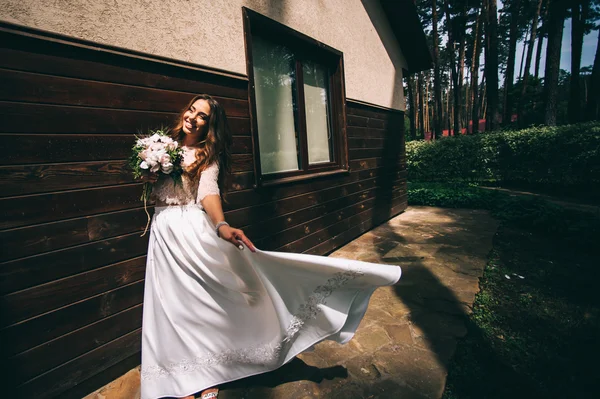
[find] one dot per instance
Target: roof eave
(406, 25)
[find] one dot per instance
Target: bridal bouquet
(156, 153)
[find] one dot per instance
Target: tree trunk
(426, 104)
(456, 92)
(522, 99)
(412, 111)
(491, 64)
(523, 55)
(594, 96)
(467, 109)
(421, 115)
(461, 65)
(556, 19)
(482, 95)
(437, 84)
(578, 21)
(541, 41)
(475, 73)
(510, 65)
(449, 111)
(538, 54)
(484, 106)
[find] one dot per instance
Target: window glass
(275, 89)
(316, 102)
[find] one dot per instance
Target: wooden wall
(72, 259)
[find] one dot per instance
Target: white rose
(167, 168)
(155, 138)
(155, 168)
(144, 165)
(172, 146)
(144, 154)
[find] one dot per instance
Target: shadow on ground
(410, 331)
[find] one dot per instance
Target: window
(298, 103)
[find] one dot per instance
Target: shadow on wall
(393, 145)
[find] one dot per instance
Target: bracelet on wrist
(219, 225)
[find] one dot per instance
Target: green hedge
(532, 212)
(561, 157)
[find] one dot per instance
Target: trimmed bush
(532, 212)
(561, 157)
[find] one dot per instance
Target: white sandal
(214, 393)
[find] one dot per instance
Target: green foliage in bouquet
(156, 152)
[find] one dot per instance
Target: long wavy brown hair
(215, 145)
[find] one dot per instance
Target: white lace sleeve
(208, 182)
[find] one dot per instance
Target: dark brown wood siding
(72, 259)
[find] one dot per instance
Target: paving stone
(363, 368)
(399, 334)
(371, 338)
(334, 353)
(125, 387)
(418, 368)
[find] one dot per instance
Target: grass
(535, 327)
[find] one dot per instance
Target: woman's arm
(209, 197)
(212, 206)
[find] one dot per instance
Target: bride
(216, 309)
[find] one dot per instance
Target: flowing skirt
(214, 313)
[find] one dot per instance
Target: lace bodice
(194, 187)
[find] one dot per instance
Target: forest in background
(477, 74)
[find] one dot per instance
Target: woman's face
(195, 119)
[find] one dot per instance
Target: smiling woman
(214, 313)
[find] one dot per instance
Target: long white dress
(214, 313)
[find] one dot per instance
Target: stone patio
(410, 330)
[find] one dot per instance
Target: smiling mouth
(188, 125)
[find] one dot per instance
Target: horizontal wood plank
(37, 88)
(262, 232)
(34, 179)
(365, 132)
(377, 123)
(18, 117)
(24, 304)
(32, 240)
(86, 387)
(60, 379)
(256, 214)
(49, 148)
(387, 152)
(355, 231)
(70, 148)
(34, 209)
(43, 208)
(356, 143)
(354, 108)
(38, 360)
(359, 121)
(242, 163)
(279, 239)
(314, 239)
(35, 55)
(262, 195)
(33, 332)
(39, 269)
(372, 163)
